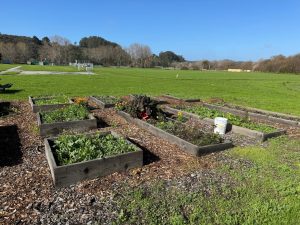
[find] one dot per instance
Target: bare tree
(60, 40)
(23, 52)
(139, 54)
(8, 52)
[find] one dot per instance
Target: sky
(212, 29)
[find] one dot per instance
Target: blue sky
(211, 29)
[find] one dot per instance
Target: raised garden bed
(104, 101)
(181, 99)
(236, 124)
(253, 113)
(73, 117)
(183, 144)
(44, 104)
(97, 155)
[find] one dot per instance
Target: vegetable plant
(70, 149)
(52, 100)
(141, 107)
(68, 113)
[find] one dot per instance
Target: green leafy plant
(52, 100)
(204, 112)
(69, 113)
(77, 148)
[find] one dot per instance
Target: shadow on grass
(10, 146)
(148, 157)
(11, 91)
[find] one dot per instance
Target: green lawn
(276, 92)
(6, 66)
(254, 185)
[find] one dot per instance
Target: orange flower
(80, 100)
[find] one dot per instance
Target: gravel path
(14, 69)
(54, 73)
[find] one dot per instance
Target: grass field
(276, 92)
(6, 67)
(257, 186)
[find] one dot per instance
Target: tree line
(276, 64)
(97, 50)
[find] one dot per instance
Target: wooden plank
(181, 99)
(70, 174)
(100, 103)
(270, 113)
(253, 115)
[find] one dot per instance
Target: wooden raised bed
(253, 113)
(52, 129)
(180, 99)
(235, 129)
(184, 145)
(69, 174)
(100, 103)
(44, 108)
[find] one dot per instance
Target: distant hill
(95, 42)
(6, 38)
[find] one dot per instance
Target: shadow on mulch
(4, 108)
(148, 157)
(92, 107)
(10, 146)
(101, 123)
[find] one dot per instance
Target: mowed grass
(255, 185)
(4, 67)
(276, 92)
